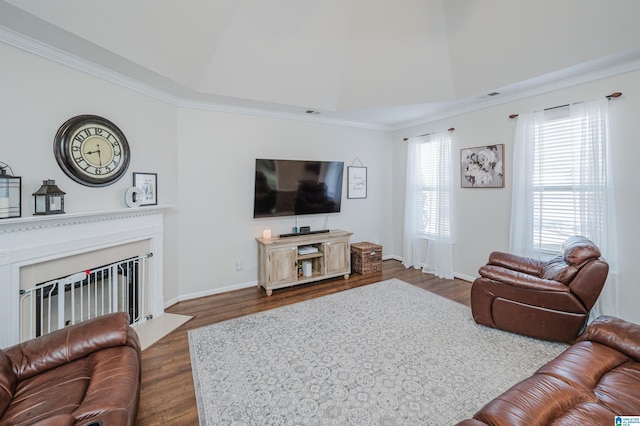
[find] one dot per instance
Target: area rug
(383, 354)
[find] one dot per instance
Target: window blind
(565, 183)
(433, 197)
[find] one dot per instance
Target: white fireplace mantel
(31, 240)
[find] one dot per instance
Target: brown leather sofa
(592, 382)
(84, 374)
(546, 300)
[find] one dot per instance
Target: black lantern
(49, 199)
(10, 193)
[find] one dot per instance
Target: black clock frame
(61, 151)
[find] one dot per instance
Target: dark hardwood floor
(167, 394)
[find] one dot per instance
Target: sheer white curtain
(428, 224)
(521, 230)
(555, 197)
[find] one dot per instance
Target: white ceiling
(375, 62)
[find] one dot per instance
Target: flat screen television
(294, 187)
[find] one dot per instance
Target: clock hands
(97, 151)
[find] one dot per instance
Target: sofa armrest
(516, 263)
(70, 343)
(521, 280)
(616, 333)
(589, 281)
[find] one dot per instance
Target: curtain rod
(609, 97)
(450, 129)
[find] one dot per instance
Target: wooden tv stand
(279, 260)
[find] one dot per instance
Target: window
(566, 186)
(563, 186)
(428, 228)
(561, 183)
(432, 190)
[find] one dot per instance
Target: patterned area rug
(384, 354)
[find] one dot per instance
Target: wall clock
(91, 150)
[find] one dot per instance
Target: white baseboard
(232, 287)
(224, 289)
(392, 257)
(464, 277)
(455, 274)
(209, 292)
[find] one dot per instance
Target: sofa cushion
(516, 263)
(56, 392)
(590, 383)
(84, 374)
(96, 385)
(7, 382)
(62, 346)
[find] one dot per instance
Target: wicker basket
(366, 258)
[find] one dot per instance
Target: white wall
(483, 215)
(205, 165)
(38, 95)
(217, 153)
(204, 161)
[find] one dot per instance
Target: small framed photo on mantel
(148, 184)
(356, 182)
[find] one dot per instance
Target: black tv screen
(294, 187)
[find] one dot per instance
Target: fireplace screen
(120, 286)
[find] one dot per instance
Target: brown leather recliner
(591, 383)
(84, 374)
(546, 300)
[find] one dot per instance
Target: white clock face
(91, 150)
(96, 151)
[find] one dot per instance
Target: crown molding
(258, 112)
(540, 89)
(54, 54)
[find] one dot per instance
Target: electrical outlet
(238, 265)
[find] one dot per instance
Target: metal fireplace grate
(118, 287)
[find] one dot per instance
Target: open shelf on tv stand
(279, 260)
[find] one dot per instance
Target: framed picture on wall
(148, 184)
(356, 182)
(482, 167)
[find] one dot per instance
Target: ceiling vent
(488, 95)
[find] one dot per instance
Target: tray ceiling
(371, 61)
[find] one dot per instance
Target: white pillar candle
(266, 233)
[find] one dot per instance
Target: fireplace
(37, 250)
(120, 286)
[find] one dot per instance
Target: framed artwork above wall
(356, 182)
(482, 167)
